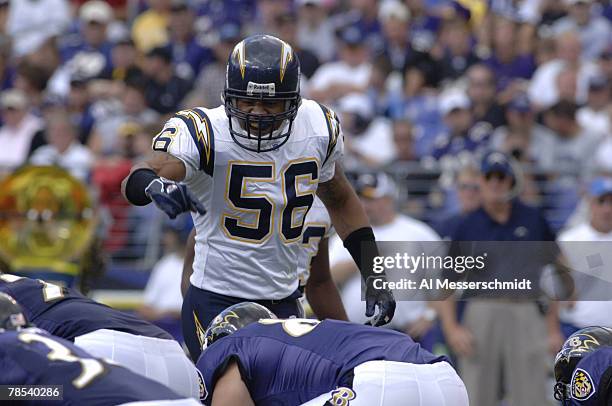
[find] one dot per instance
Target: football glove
(173, 198)
(383, 298)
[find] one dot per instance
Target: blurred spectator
(6, 68)
(363, 15)
(482, 92)
(134, 143)
(603, 157)
(457, 53)
(132, 108)
(424, 25)
(395, 19)
(267, 11)
(48, 59)
(63, 148)
(286, 25)
(368, 138)
(381, 84)
(566, 82)
(605, 62)
(315, 32)
(417, 101)
(592, 310)
(573, 147)
(594, 117)
(378, 195)
(398, 46)
(211, 81)
(507, 63)
(543, 90)
(595, 31)
(512, 322)
(467, 191)
(32, 80)
(523, 138)
(162, 295)
(91, 50)
(214, 13)
(403, 140)
(463, 138)
(4, 10)
(349, 74)
(18, 129)
(31, 22)
(79, 108)
(189, 53)
(544, 51)
(150, 29)
(522, 11)
(124, 57)
(164, 90)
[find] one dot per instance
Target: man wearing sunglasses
(515, 321)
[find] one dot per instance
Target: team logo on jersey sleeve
(202, 386)
(341, 397)
(582, 386)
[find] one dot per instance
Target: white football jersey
(316, 227)
(249, 244)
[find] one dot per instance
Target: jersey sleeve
(592, 379)
(214, 361)
(188, 136)
(335, 144)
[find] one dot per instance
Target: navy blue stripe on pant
(201, 306)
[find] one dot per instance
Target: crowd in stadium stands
(422, 88)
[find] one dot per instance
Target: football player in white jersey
(313, 266)
(254, 165)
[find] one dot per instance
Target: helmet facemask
(260, 132)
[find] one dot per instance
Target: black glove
(173, 198)
(383, 298)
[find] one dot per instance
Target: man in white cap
(17, 131)
(463, 137)
(91, 50)
(378, 194)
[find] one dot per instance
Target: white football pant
(388, 383)
(158, 359)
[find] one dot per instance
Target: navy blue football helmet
(262, 67)
(234, 318)
(579, 344)
(11, 314)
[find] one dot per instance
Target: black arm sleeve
(364, 258)
(136, 185)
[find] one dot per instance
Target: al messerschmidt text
(495, 284)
